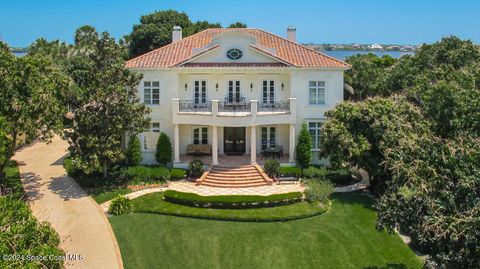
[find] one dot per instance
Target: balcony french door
(233, 91)
(268, 91)
(200, 91)
(269, 137)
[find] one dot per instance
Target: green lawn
(153, 203)
(12, 180)
(344, 237)
(101, 195)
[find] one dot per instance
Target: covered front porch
(233, 146)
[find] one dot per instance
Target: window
(200, 135)
(151, 92)
(316, 93)
(268, 91)
(234, 54)
(200, 91)
(314, 129)
(234, 91)
(150, 136)
(269, 137)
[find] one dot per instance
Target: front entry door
(234, 140)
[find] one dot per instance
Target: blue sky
(346, 21)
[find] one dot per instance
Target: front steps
(235, 177)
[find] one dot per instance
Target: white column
(176, 142)
(214, 145)
(253, 144)
(291, 149)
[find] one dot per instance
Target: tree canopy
(155, 30)
(415, 130)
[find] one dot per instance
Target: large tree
(155, 30)
(105, 106)
(31, 100)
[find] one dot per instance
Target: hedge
(290, 171)
(176, 174)
(232, 201)
(341, 176)
(147, 174)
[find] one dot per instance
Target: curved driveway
(56, 198)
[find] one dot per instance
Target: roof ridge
(170, 44)
(300, 45)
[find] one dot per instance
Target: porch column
(176, 142)
(214, 145)
(291, 146)
(253, 144)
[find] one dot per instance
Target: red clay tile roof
(234, 65)
(286, 51)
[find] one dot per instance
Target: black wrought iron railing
(234, 104)
(277, 106)
(192, 106)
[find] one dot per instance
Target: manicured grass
(101, 195)
(13, 182)
(344, 237)
(154, 203)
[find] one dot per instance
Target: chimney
(176, 33)
(292, 33)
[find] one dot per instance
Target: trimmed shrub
(164, 149)
(272, 168)
(314, 172)
(231, 201)
(341, 176)
(304, 147)
(318, 191)
(195, 168)
(177, 174)
(290, 171)
(141, 173)
(120, 205)
(133, 153)
(22, 234)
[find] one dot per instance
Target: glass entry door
(234, 140)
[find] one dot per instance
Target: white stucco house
(237, 92)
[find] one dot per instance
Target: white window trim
(274, 89)
(200, 133)
(200, 85)
(268, 134)
(228, 79)
(321, 121)
(316, 104)
(150, 129)
(151, 92)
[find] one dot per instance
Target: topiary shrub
(304, 147)
(23, 235)
(133, 153)
(164, 149)
(140, 173)
(177, 174)
(272, 168)
(120, 205)
(314, 172)
(290, 171)
(318, 191)
(195, 168)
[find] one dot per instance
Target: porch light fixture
(282, 86)
(216, 87)
(186, 86)
(251, 87)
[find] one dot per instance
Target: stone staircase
(235, 177)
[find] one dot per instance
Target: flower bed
(232, 201)
(147, 186)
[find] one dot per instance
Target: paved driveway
(56, 198)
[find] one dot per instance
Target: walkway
(56, 198)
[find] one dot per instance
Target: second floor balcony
(235, 110)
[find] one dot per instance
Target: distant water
(342, 54)
(339, 54)
(20, 54)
